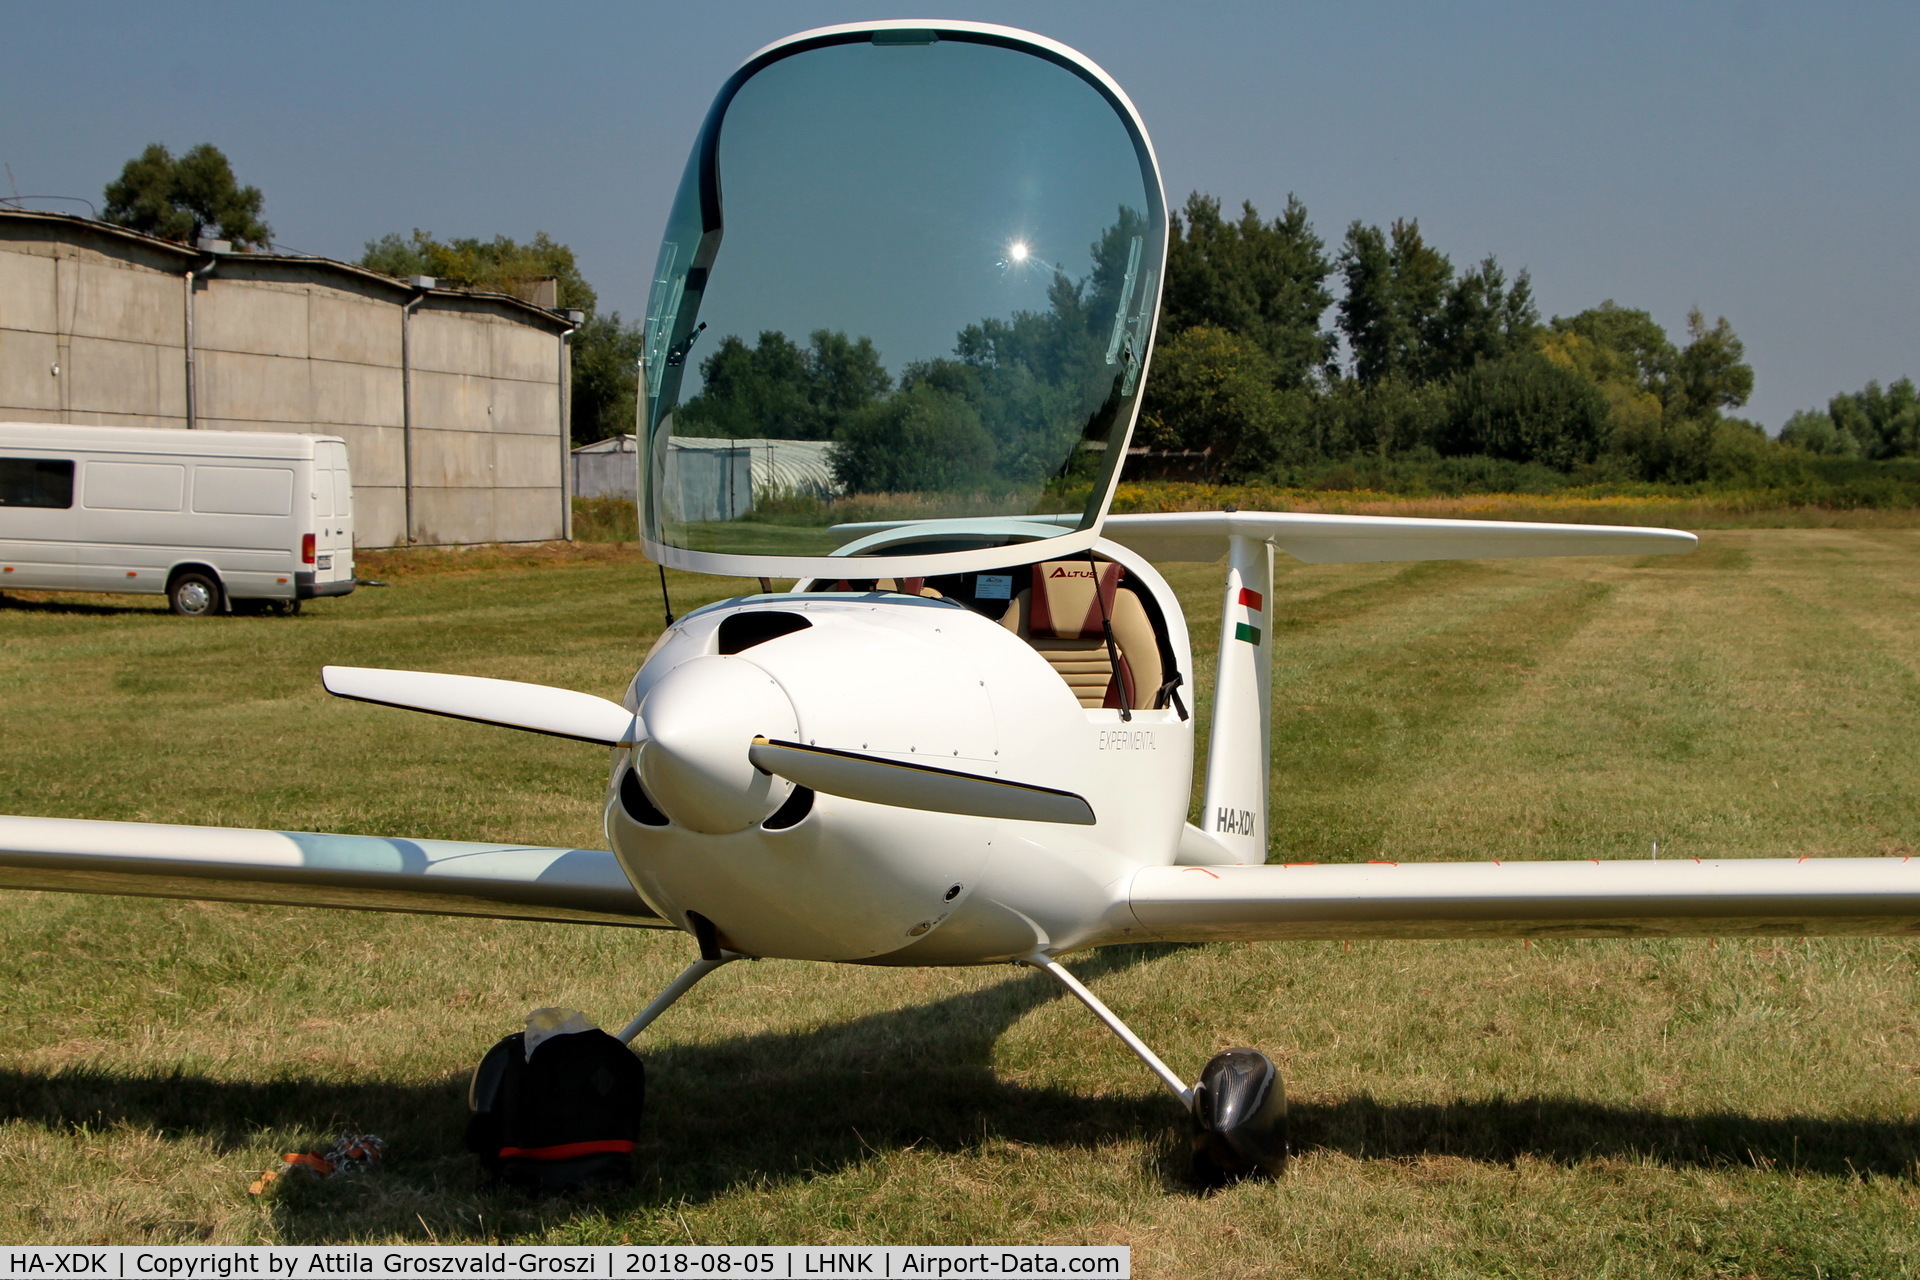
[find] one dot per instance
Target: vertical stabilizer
(1235, 811)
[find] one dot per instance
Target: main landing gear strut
(1239, 1104)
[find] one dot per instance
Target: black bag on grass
(565, 1119)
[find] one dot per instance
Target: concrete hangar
(453, 404)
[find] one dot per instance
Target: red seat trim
(568, 1150)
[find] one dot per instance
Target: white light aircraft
(961, 738)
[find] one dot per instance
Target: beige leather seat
(1059, 614)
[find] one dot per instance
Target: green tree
(1483, 318)
(499, 265)
(1392, 314)
(918, 441)
(749, 392)
(185, 198)
(1525, 408)
(1352, 420)
(1813, 431)
(606, 358)
(1634, 413)
(1636, 367)
(1368, 312)
(1645, 355)
(1265, 281)
(843, 374)
(1711, 372)
(1885, 423)
(1214, 389)
(1690, 440)
(780, 391)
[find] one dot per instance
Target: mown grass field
(1570, 1108)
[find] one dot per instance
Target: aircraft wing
(1327, 539)
(299, 868)
(1761, 897)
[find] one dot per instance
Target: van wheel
(194, 595)
(285, 608)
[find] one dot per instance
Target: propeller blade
(511, 704)
(916, 786)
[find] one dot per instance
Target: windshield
(905, 277)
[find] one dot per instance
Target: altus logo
(1061, 571)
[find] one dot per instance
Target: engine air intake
(745, 630)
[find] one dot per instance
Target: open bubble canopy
(929, 254)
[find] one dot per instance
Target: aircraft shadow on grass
(743, 1111)
(78, 608)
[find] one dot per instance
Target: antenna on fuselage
(666, 605)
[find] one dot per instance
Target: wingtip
(1674, 542)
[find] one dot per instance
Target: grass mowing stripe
(1384, 713)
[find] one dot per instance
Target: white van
(216, 521)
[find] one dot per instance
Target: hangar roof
(25, 223)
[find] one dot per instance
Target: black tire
(195, 595)
(1240, 1104)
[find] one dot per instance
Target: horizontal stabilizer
(916, 786)
(1760, 897)
(299, 868)
(1329, 539)
(511, 704)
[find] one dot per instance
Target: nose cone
(699, 721)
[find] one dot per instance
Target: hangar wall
(97, 327)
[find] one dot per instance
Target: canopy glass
(910, 274)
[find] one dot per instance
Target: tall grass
(1820, 493)
(605, 520)
(1694, 508)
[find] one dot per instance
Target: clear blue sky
(1757, 159)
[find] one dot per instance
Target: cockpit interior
(1098, 625)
